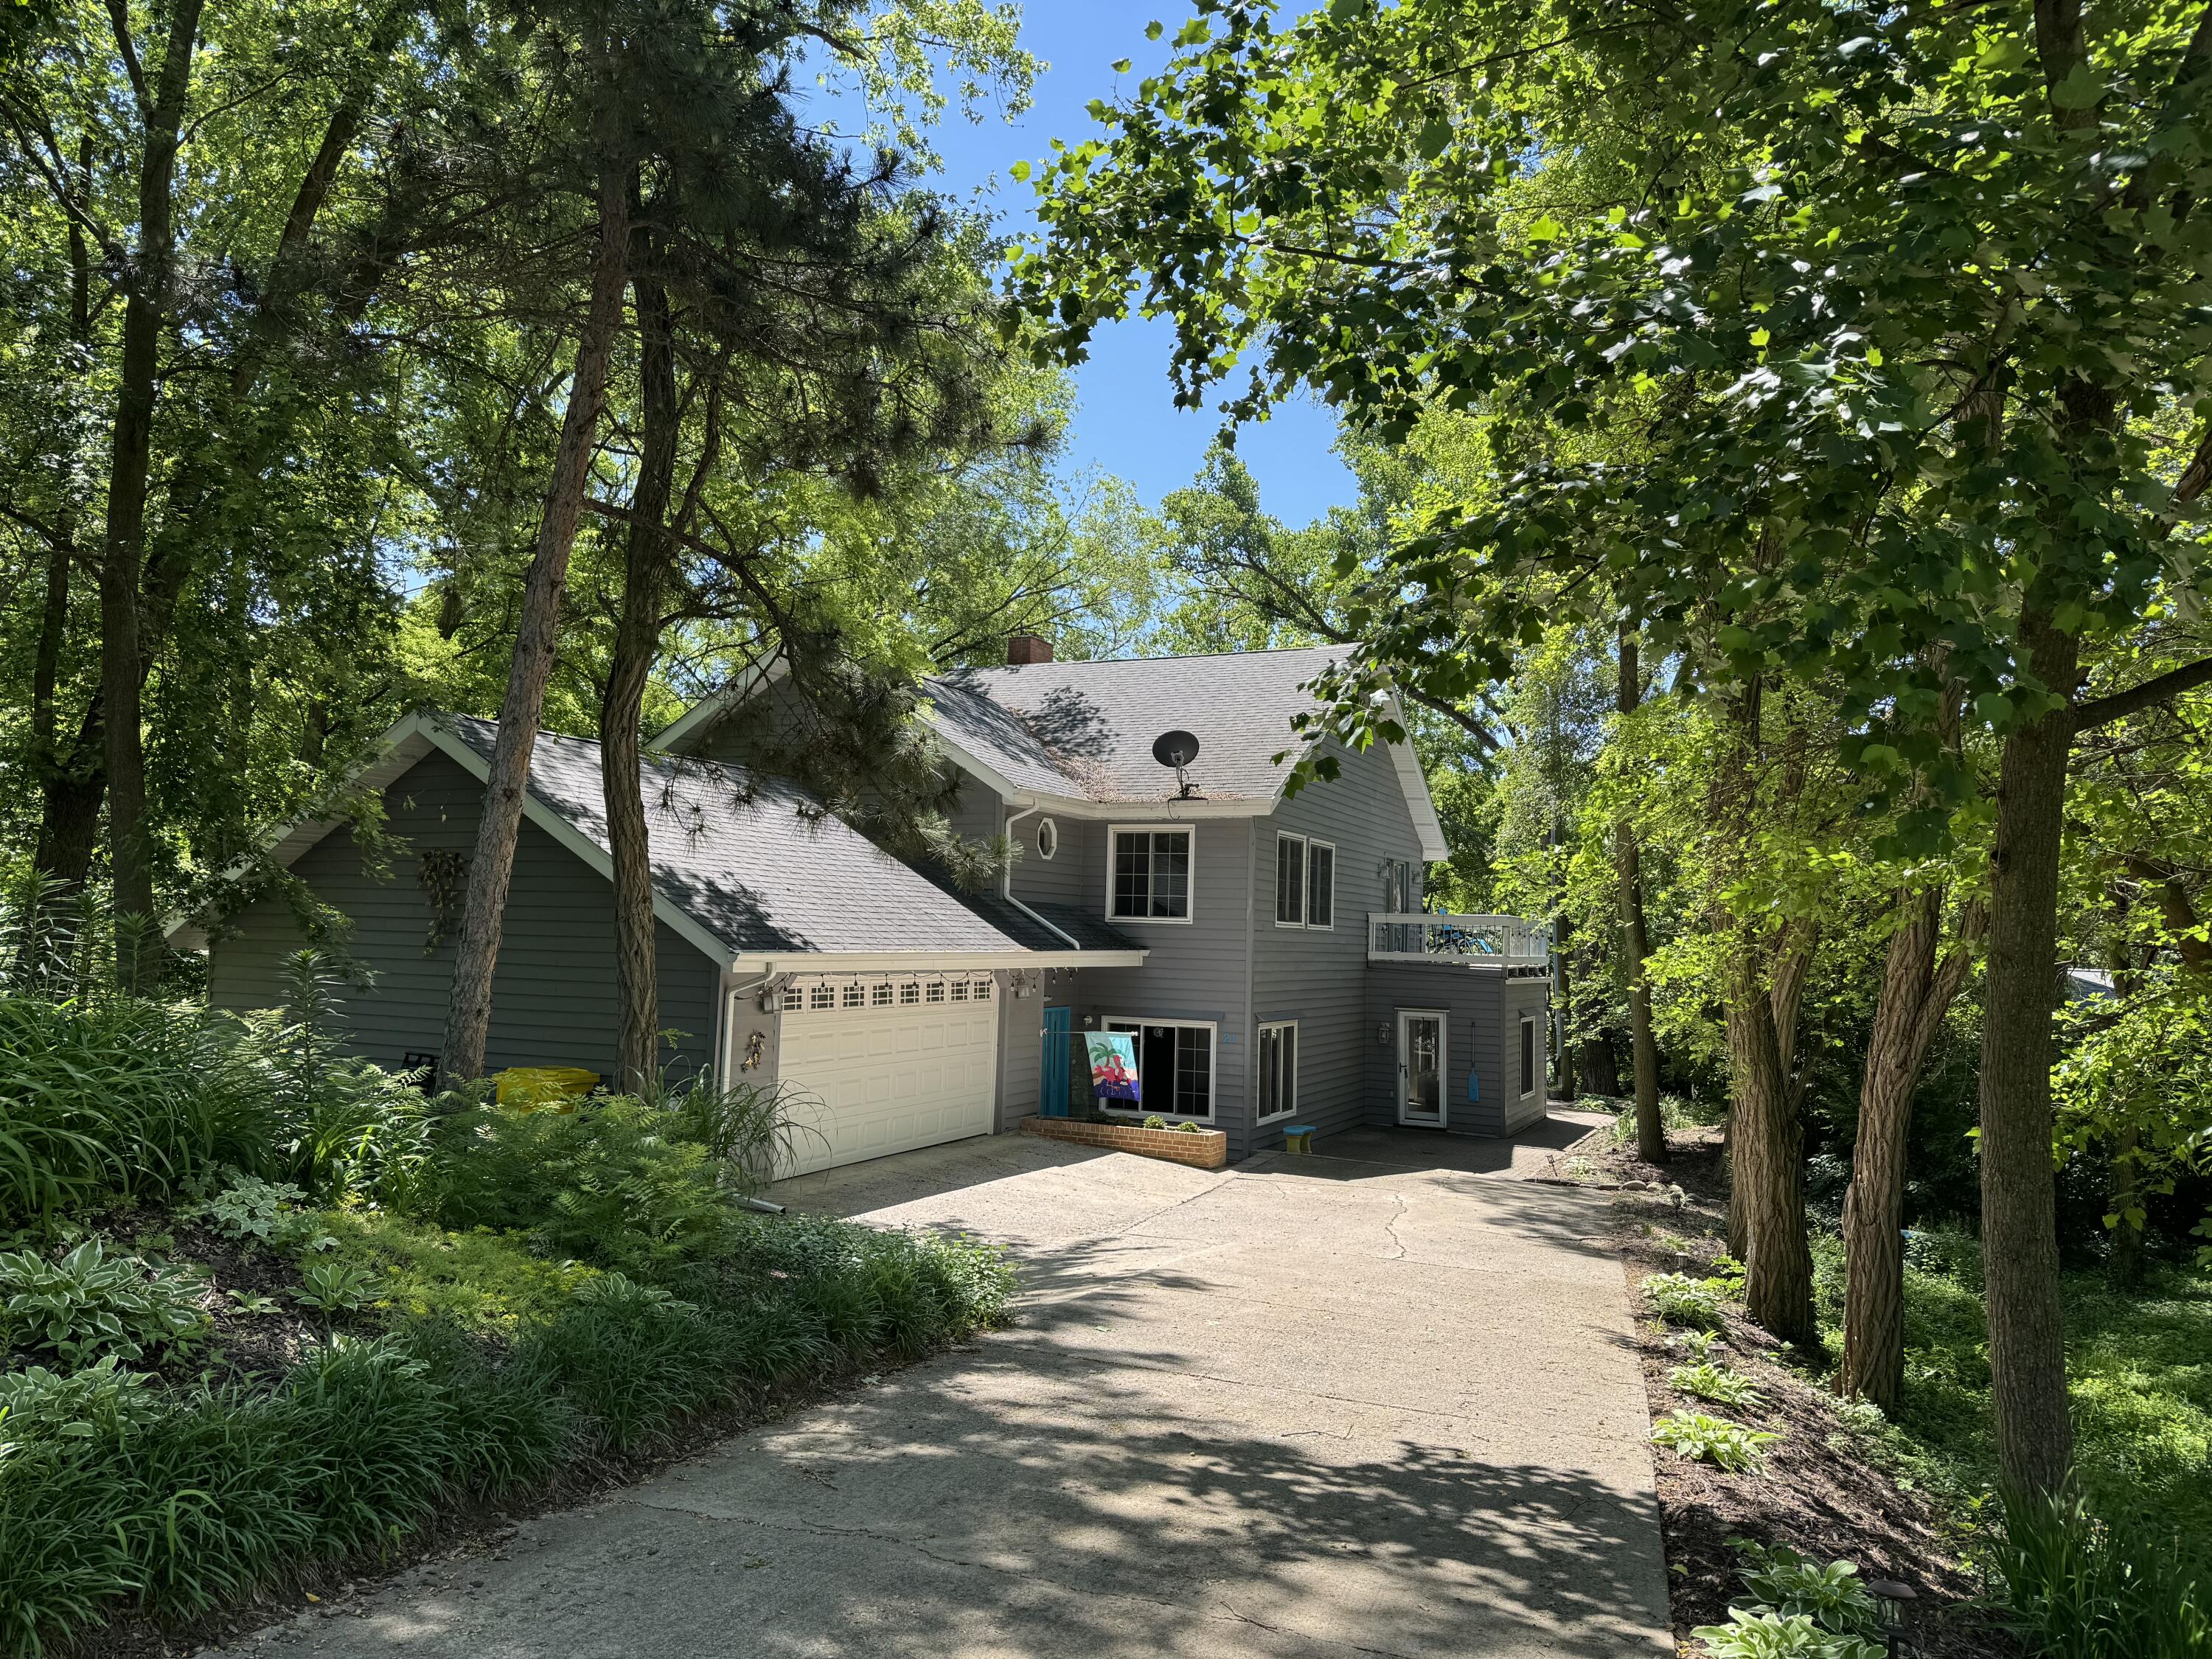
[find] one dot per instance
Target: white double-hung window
(1305, 882)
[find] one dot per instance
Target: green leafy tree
(1913, 287)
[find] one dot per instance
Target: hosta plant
(336, 1288)
(1681, 1300)
(1728, 1446)
(250, 1208)
(1832, 1596)
(1719, 1384)
(38, 1403)
(90, 1303)
(1766, 1635)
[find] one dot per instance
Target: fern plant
(1728, 1446)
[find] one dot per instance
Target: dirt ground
(1824, 1491)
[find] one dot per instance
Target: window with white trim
(822, 996)
(1279, 1070)
(983, 990)
(960, 990)
(855, 993)
(1289, 881)
(879, 994)
(1047, 839)
(911, 993)
(1148, 878)
(1175, 1067)
(935, 993)
(1320, 885)
(1528, 1055)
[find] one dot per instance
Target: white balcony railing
(1507, 942)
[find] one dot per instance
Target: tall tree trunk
(1916, 992)
(1601, 1065)
(637, 639)
(2019, 1227)
(138, 943)
(468, 1015)
(1763, 1016)
(1636, 940)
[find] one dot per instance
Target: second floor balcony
(1511, 944)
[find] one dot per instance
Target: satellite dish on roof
(1178, 750)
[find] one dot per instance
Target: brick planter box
(1206, 1150)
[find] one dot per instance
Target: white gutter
(1006, 883)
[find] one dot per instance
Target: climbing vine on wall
(444, 875)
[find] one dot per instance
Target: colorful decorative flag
(1113, 1064)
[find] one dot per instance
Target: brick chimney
(1022, 648)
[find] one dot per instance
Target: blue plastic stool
(1297, 1138)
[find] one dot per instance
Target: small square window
(879, 996)
(854, 995)
(909, 994)
(935, 992)
(822, 996)
(960, 990)
(983, 990)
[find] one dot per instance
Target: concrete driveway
(1320, 1406)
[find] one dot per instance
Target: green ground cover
(264, 1309)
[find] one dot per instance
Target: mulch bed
(1824, 1492)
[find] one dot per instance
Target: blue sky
(1126, 421)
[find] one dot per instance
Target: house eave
(772, 962)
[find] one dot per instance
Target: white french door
(1421, 1068)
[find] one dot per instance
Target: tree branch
(2101, 710)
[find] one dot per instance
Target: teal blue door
(1051, 1095)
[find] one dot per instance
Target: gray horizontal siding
(1314, 976)
(1482, 1010)
(553, 992)
(1196, 970)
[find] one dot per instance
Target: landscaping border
(1203, 1149)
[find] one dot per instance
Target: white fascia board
(1415, 783)
(927, 962)
(679, 922)
(704, 713)
(1412, 783)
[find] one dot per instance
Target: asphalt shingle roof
(1086, 729)
(763, 866)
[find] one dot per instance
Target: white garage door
(888, 1064)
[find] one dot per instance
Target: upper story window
(1047, 839)
(1289, 881)
(1305, 882)
(1149, 880)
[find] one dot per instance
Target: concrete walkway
(1308, 1406)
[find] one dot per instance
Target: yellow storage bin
(534, 1087)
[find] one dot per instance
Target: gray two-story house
(1270, 955)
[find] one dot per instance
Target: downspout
(1251, 1038)
(1006, 882)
